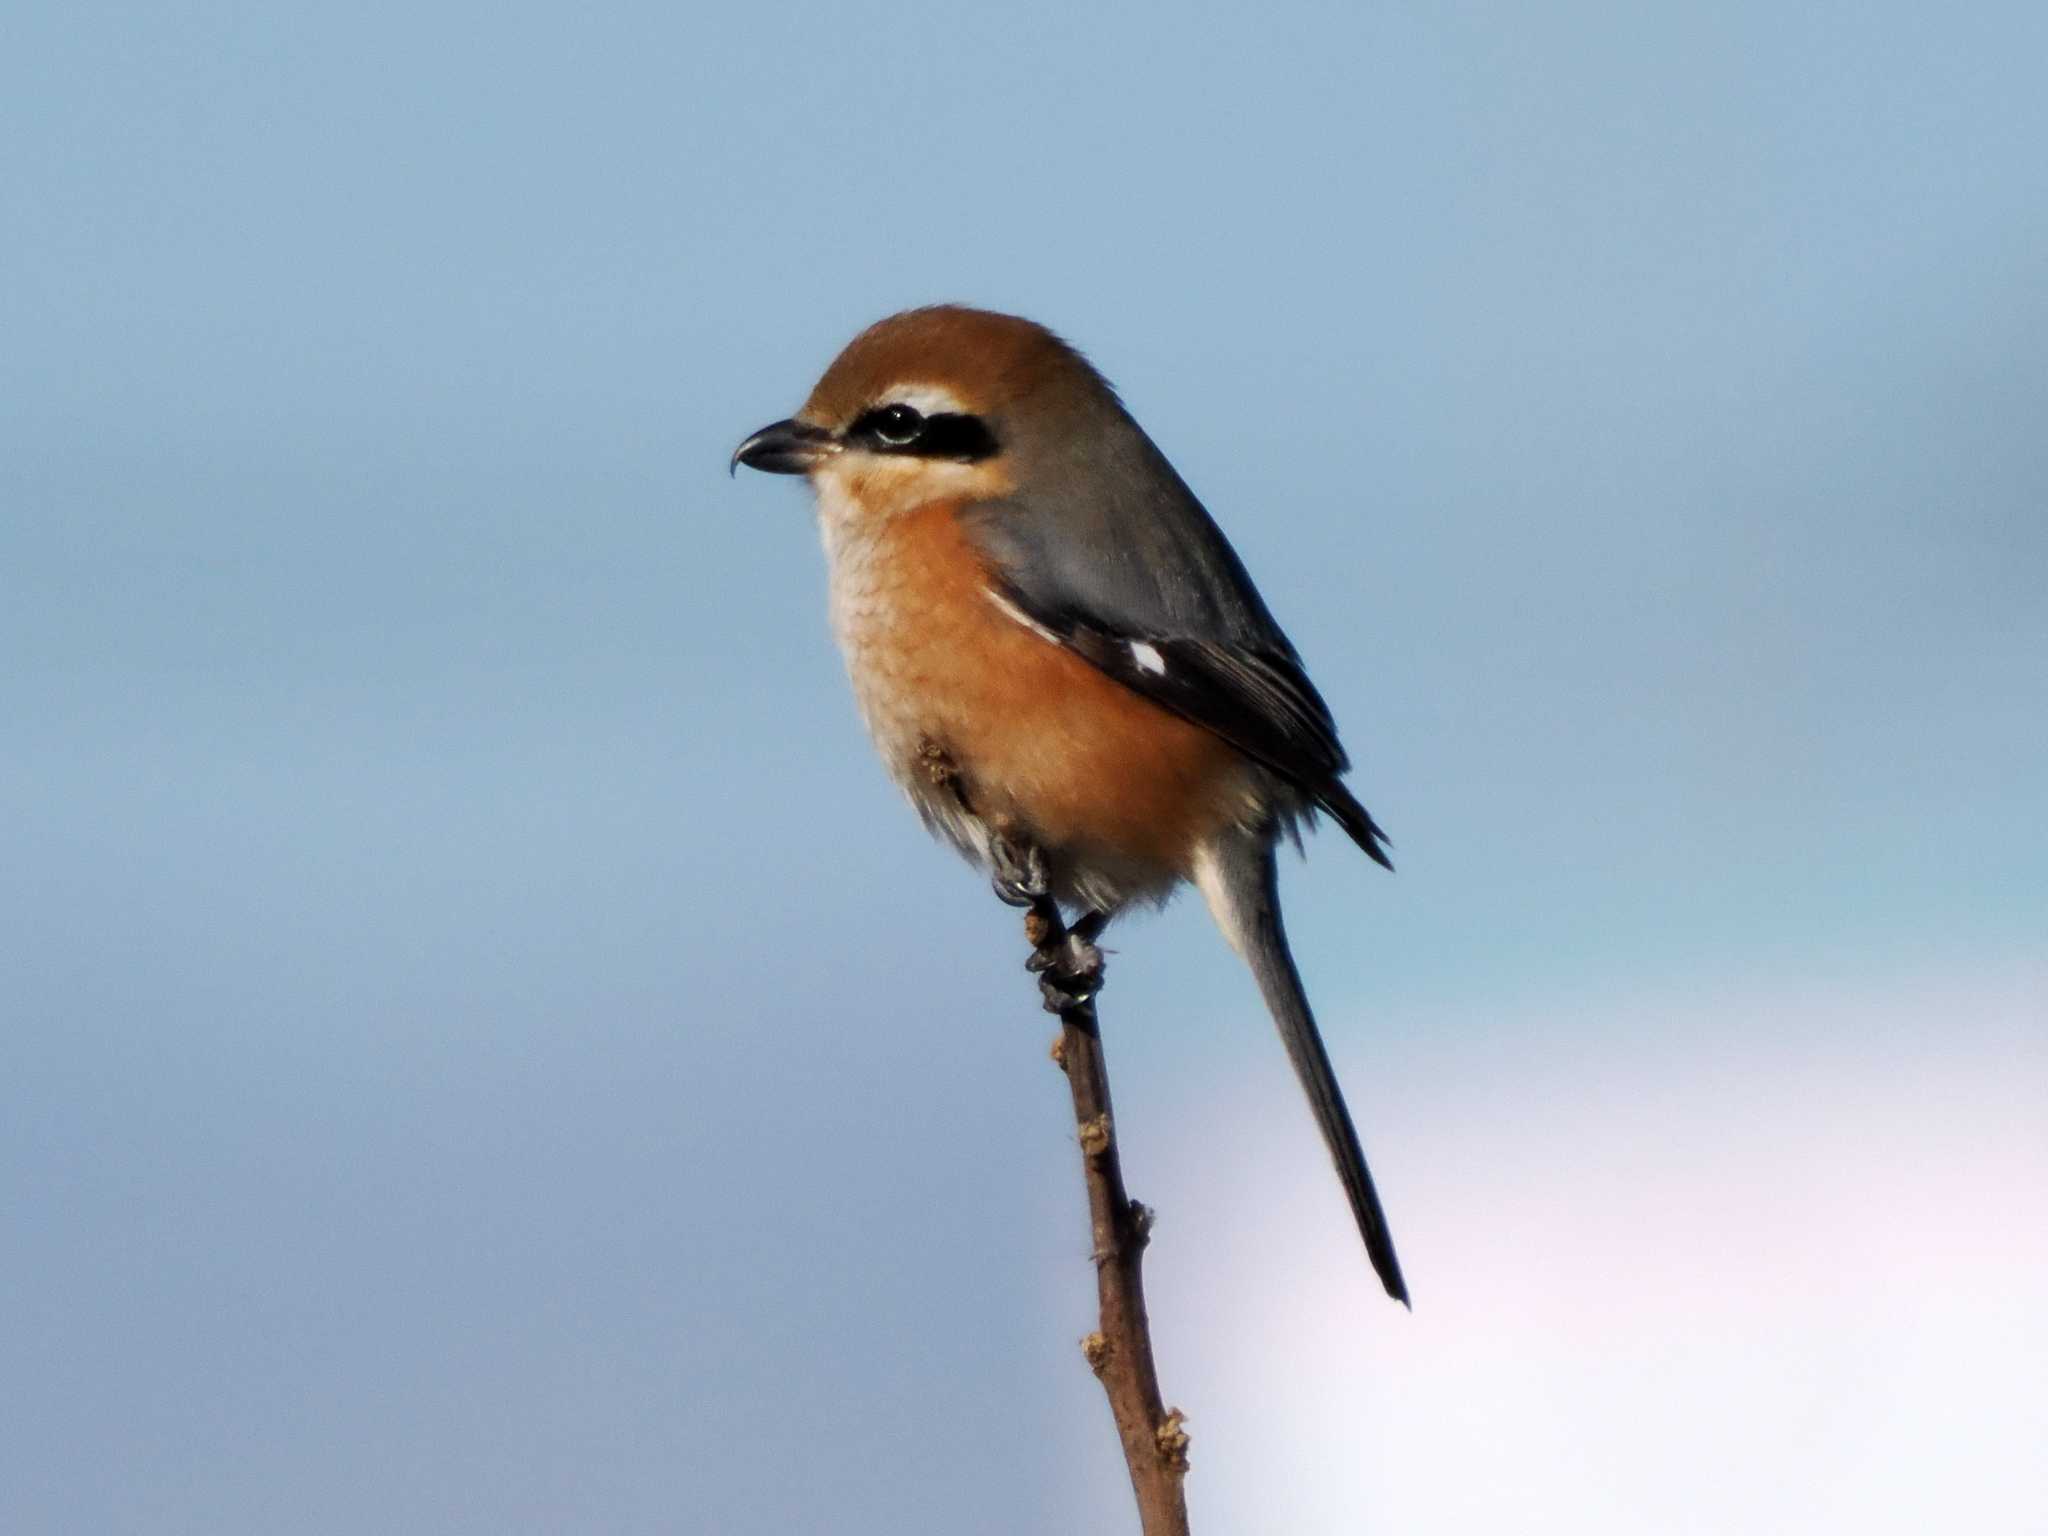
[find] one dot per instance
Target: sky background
(484, 1049)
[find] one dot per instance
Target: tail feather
(1355, 819)
(1242, 887)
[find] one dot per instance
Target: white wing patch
(1148, 658)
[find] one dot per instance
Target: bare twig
(1155, 1440)
(1120, 1351)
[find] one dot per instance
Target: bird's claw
(1019, 879)
(1069, 971)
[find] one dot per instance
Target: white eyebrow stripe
(1147, 656)
(1012, 611)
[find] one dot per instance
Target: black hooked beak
(786, 448)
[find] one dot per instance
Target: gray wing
(1114, 557)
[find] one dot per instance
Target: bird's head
(939, 403)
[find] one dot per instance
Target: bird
(1061, 659)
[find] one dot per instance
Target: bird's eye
(948, 436)
(896, 424)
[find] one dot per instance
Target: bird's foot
(1065, 960)
(1019, 876)
(1069, 973)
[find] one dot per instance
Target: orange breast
(1051, 750)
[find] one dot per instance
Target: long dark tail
(1242, 887)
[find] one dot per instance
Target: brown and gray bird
(1025, 590)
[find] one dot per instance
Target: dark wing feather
(1260, 703)
(1114, 557)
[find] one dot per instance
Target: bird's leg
(1089, 925)
(1066, 961)
(1017, 873)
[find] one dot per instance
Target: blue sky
(482, 1046)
